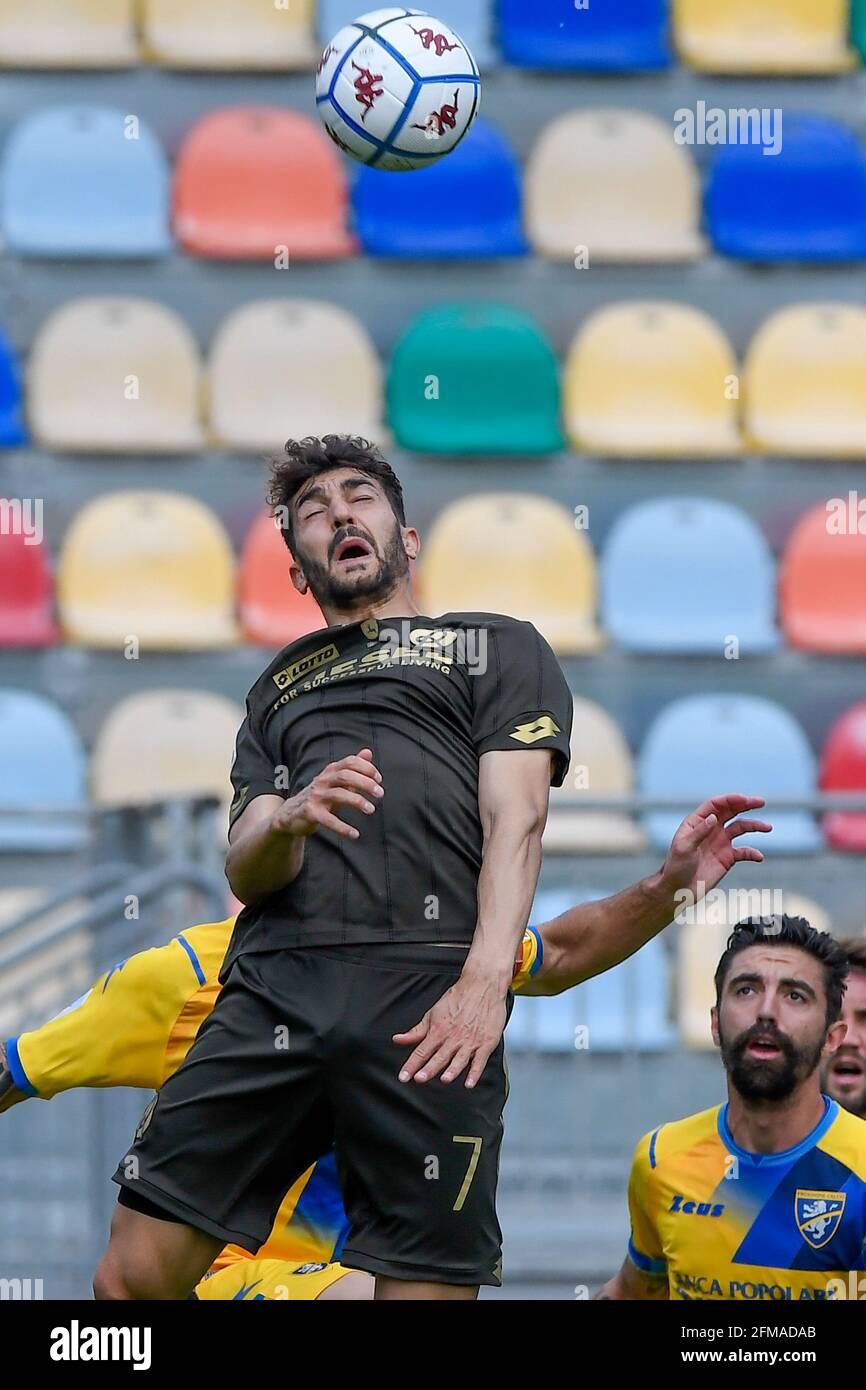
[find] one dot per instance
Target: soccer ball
(396, 89)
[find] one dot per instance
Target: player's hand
(460, 1031)
(352, 782)
(703, 849)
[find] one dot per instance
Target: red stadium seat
(250, 180)
(843, 769)
(25, 594)
(272, 611)
(822, 582)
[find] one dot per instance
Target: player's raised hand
(461, 1030)
(703, 848)
(353, 782)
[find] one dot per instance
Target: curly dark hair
(303, 459)
(782, 930)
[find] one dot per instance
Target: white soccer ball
(397, 89)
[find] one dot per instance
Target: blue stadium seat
(805, 203)
(605, 35)
(84, 181)
(468, 18)
(467, 206)
(42, 765)
(624, 1008)
(12, 430)
(705, 744)
(730, 593)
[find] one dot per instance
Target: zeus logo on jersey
(542, 727)
(818, 1215)
(695, 1208)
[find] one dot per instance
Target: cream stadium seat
(764, 36)
(233, 34)
(804, 382)
(518, 554)
(286, 368)
(652, 379)
(149, 569)
(163, 745)
(615, 183)
(67, 33)
(601, 766)
(703, 934)
(115, 375)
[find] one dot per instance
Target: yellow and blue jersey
(721, 1223)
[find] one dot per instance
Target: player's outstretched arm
(630, 1283)
(592, 937)
(266, 843)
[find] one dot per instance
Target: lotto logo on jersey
(542, 727)
(818, 1215)
(303, 667)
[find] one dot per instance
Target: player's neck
(772, 1127)
(399, 604)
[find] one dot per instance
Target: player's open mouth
(352, 549)
(764, 1049)
(848, 1069)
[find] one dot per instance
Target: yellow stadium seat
(115, 376)
(601, 766)
(275, 34)
(517, 554)
(286, 368)
(611, 185)
(764, 36)
(804, 382)
(652, 379)
(163, 745)
(703, 935)
(148, 569)
(68, 33)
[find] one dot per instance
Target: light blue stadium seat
(603, 35)
(706, 744)
(805, 203)
(688, 574)
(470, 19)
(74, 182)
(12, 430)
(466, 206)
(42, 765)
(626, 1007)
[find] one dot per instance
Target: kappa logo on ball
(366, 91)
(542, 727)
(430, 39)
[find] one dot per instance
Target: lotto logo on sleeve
(542, 727)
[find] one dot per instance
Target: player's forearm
(506, 886)
(262, 862)
(592, 937)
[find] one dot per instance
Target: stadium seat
(162, 745)
(647, 604)
(467, 206)
(12, 430)
(764, 36)
(153, 569)
(843, 769)
(807, 202)
(253, 180)
(233, 34)
(822, 580)
(630, 34)
(25, 591)
(43, 764)
(474, 378)
(282, 368)
(84, 181)
(611, 185)
(710, 742)
(115, 375)
(804, 382)
(272, 612)
(518, 554)
(470, 19)
(68, 33)
(702, 938)
(648, 379)
(601, 766)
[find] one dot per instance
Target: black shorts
(296, 1057)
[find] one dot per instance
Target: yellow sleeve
(644, 1246)
(529, 959)
(133, 1027)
